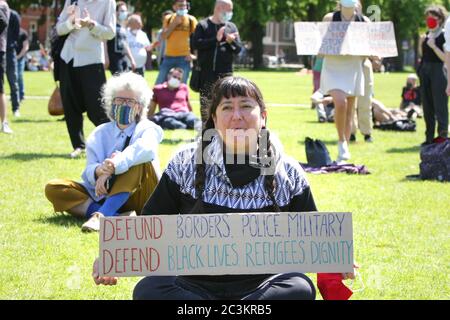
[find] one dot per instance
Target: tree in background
(251, 16)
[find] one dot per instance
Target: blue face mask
(123, 15)
(182, 12)
(123, 114)
(227, 16)
(349, 3)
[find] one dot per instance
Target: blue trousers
(11, 74)
(287, 286)
(20, 71)
(179, 120)
(173, 62)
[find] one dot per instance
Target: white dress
(343, 73)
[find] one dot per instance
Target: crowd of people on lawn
(122, 174)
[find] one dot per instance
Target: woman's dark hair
(438, 11)
(226, 88)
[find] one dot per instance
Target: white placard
(346, 38)
(219, 244)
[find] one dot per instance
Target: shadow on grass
(62, 220)
(326, 142)
(404, 150)
(24, 157)
(175, 141)
(32, 121)
(317, 122)
(417, 178)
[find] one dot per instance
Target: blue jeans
(173, 62)
(11, 74)
(20, 71)
(169, 119)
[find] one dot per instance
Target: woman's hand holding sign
(107, 281)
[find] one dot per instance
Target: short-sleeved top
(137, 43)
(176, 100)
(178, 42)
(411, 95)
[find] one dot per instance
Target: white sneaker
(17, 114)
(76, 153)
(343, 152)
(128, 214)
(93, 224)
(6, 129)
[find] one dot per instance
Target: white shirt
(137, 44)
(108, 138)
(447, 36)
(86, 46)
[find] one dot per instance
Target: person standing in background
(317, 70)
(22, 48)
(433, 80)
(177, 30)
(119, 57)
(343, 78)
(11, 60)
(138, 43)
(82, 74)
(363, 119)
(216, 40)
(4, 20)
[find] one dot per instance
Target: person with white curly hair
(122, 158)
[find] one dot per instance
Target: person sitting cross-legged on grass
(201, 179)
(122, 159)
(173, 99)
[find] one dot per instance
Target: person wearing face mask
(177, 31)
(432, 75)
(205, 178)
(217, 41)
(118, 55)
(172, 97)
(138, 42)
(411, 96)
(122, 166)
(342, 77)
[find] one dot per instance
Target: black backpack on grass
(317, 153)
(435, 163)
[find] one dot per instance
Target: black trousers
(81, 92)
(208, 79)
(287, 286)
(435, 101)
(118, 64)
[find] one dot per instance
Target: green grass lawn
(401, 228)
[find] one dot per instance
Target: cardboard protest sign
(218, 244)
(346, 38)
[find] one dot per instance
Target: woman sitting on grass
(201, 179)
(119, 175)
